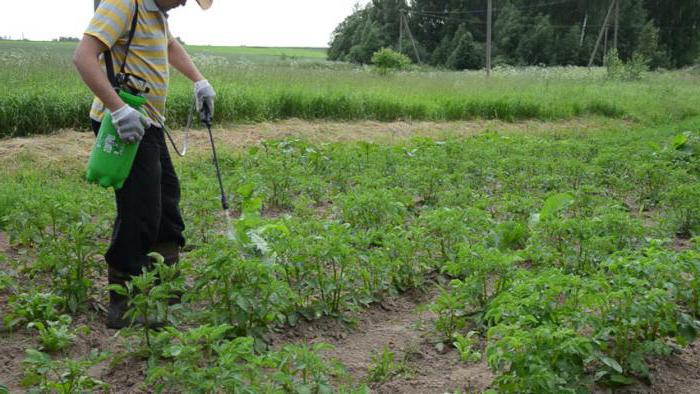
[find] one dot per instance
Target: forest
(452, 33)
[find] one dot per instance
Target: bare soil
(677, 374)
(4, 243)
(401, 325)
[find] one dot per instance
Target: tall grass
(43, 92)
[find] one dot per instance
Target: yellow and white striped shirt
(148, 53)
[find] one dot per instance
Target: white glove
(130, 124)
(205, 95)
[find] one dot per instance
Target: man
(148, 213)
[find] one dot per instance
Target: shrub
(630, 71)
(387, 60)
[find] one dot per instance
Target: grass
(44, 92)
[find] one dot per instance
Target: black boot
(119, 305)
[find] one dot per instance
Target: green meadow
(43, 92)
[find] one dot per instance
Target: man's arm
(180, 59)
(203, 91)
(86, 61)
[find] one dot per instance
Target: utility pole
(603, 29)
(489, 26)
(410, 35)
(605, 43)
(583, 30)
(617, 23)
(401, 31)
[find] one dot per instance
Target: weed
(384, 367)
(61, 376)
(54, 335)
(33, 307)
(149, 295)
(465, 346)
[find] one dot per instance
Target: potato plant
(572, 265)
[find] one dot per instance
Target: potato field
(423, 231)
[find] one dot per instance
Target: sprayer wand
(205, 117)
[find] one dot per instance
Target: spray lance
(206, 117)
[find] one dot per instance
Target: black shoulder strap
(109, 63)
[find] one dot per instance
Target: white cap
(205, 4)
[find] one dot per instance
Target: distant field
(44, 92)
(301, 53)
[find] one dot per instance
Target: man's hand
(130, 124)
(205, 96)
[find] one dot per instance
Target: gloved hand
(205, 95)
(130, 124)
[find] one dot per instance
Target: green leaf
(325, 389)
(30, 379)
(610, 362)
(303, 389)
(159, 259)
(242, 302)
(35, 357)
(173, 351)
(246, 191)
(554, 204)
(119, 289)
(679, 141)
(686, 334)
(621, 379)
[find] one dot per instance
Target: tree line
(452, 33)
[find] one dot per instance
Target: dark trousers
(148, 206)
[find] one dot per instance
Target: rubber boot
(171, 255)
(119, 304)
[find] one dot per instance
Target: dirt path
(68, 145)
(401, 325)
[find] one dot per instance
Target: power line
(473, 22)
(482, 11)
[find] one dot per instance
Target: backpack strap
(109, 62)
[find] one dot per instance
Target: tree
(450, 32)
(508, 29)
(679, 28)
(465, 53)
(537, 44)
(650, 49)
(342, 37)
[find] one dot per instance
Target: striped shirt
(148, 53)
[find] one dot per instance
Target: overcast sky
(307, 23)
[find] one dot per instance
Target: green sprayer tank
(111, 159)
